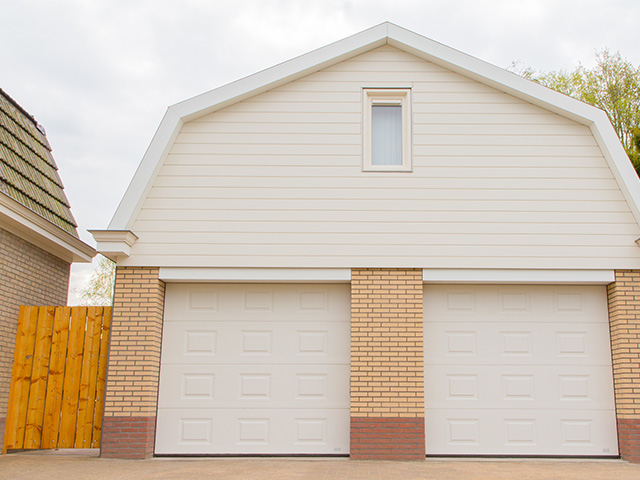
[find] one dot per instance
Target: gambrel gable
(402, 39)
(505, 173)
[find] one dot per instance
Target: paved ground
(32, 466)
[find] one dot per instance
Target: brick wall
(134, 364)
(28, 276)
(387, 364)
(624, 320)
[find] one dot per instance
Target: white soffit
(549, 277)
(256, 275)
(21, 221)
(398, 37)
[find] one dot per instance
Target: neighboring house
(382, 248)
(38, 236)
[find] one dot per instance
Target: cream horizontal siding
(590, 230)
(435, 197)
(276, 181)
(488, 219)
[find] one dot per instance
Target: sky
(99, 74)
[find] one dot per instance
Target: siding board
(310, 192)
(186, 227)
(462, 218)
(366, 239)
(381, 181)
(397, 205)
(277, 181)
(355, 139)
(483, 177)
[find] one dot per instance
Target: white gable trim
(542, 277)
(385, 33)
(253, 275)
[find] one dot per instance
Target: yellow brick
(624, 317)
(384, 325)
(136, 340)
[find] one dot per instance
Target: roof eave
(21, 221)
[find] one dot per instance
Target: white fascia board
(489, 74)
(282, 73)
(24, 223)
(618, 161)
(147, 171)
(548, 277)
(256, 275)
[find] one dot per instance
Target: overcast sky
(99, 74)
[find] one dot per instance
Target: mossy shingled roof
(28, 172)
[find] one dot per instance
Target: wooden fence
(57, 385)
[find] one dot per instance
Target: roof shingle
(28, 172)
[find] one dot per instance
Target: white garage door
(518, 370)
(254, 369)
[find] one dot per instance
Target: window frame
(386, 96)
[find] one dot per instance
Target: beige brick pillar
(387, 364)
(131, 396)
(624, 321)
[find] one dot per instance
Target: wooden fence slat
(102, 377)
(68, 417)
(86, 400)
(20, 379)
(53, 404)
(58, 379)
(39, 374)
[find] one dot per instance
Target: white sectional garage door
(254, 369)
(518, 370)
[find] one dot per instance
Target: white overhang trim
(398, 37)
(26, 224)
(114, 243)
(470, 276)
(147, 171)
(256, 275)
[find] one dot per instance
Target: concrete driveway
(72, 466)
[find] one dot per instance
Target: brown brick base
(629, 439)
(387, 438)
(128, 437)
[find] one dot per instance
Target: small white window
(386, 129)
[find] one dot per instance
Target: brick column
(624, 321)
(387, 364)
(131, 397)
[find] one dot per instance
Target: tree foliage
(99, 289)
(612, 85)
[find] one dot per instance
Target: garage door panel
(514, 303)
(519, 432)
(206, 386)
(258, 303)
(254, 342)
(254, 369)
(518, 369)
(516, 387)
(503, 342)
(241, 431)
